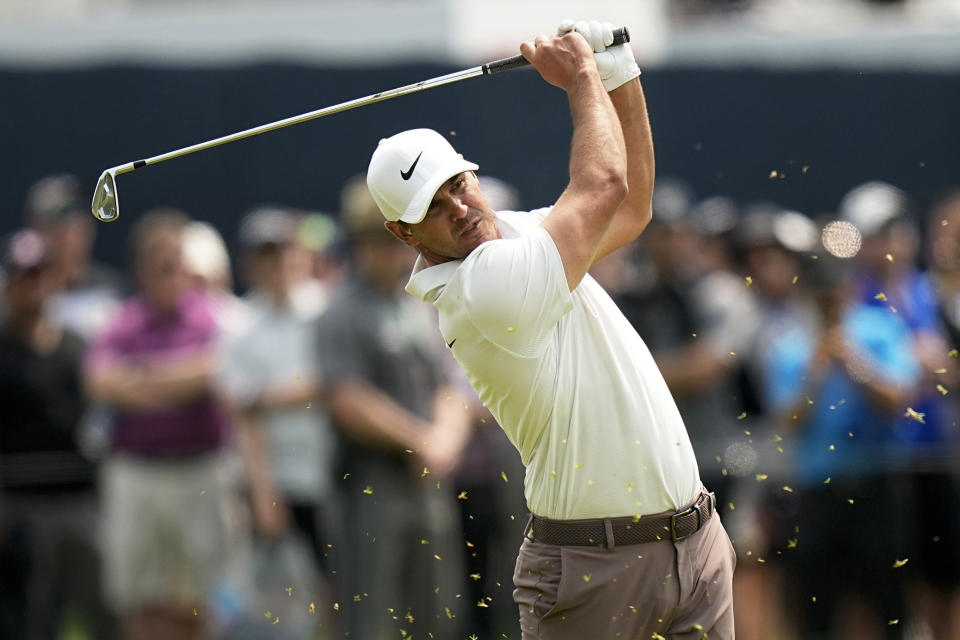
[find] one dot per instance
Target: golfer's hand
(559, 59)
(616, 64)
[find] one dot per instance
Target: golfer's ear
(401, 231)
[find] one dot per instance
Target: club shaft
(304, 117)
(621, 35)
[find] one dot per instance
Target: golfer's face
(458, 220)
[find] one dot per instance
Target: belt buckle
(674, 536)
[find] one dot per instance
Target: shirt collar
(157, 316)
(427, 282)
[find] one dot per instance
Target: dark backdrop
(724, 131)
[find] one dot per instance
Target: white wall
(61, 33)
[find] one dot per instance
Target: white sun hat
(872, 205)
(407, 169)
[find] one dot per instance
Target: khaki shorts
(165, 529)
(674, 590)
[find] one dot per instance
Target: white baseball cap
(407, 169)
(870, 206)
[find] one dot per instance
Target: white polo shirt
(566, 376)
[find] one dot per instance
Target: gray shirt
(389, 341)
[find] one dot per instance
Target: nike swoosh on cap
(409, 172)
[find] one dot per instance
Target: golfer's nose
(458, 208)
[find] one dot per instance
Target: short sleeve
(889, 342)
(238, 374)
(341, 345)
(515, 291)
(539, 214)
(785, 367)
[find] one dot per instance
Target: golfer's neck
(432, 259)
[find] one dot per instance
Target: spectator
(165, 496)
(941, 605)
(768, 243)
(694, 283)
(269, 374)
(207, 263)
(839, 385)
(86, 293)
(890, 279)
(48, 509)
(318, 265)
(943, 256)
(405, 426)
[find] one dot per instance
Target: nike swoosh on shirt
(409, 172)
(450, 344)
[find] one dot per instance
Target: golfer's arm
(598, 177)
(635, 211)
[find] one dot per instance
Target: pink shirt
(139, 333)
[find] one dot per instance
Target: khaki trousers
(673, 590)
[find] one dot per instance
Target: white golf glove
(616, 64)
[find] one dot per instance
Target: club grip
(620, 36)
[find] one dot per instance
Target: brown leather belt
(609, 532)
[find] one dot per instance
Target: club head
(106, 202)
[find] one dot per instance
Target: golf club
(106, 200)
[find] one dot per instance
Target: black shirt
(41, 406)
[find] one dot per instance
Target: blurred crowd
(271, 440)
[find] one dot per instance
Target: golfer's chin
(473, 240)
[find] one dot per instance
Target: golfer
(624, 540)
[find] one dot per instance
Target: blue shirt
(841, 415)
(915, 301)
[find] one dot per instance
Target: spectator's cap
(672, 200)
(407, 169)
(55, 199)
(23, 251)
(205, 252)
(359, 212)
(714, 216)
(319, 232)
(755, 227)
(766, 224)
(500, 195)
(267, 225)
(795, 231)
(872, 206)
